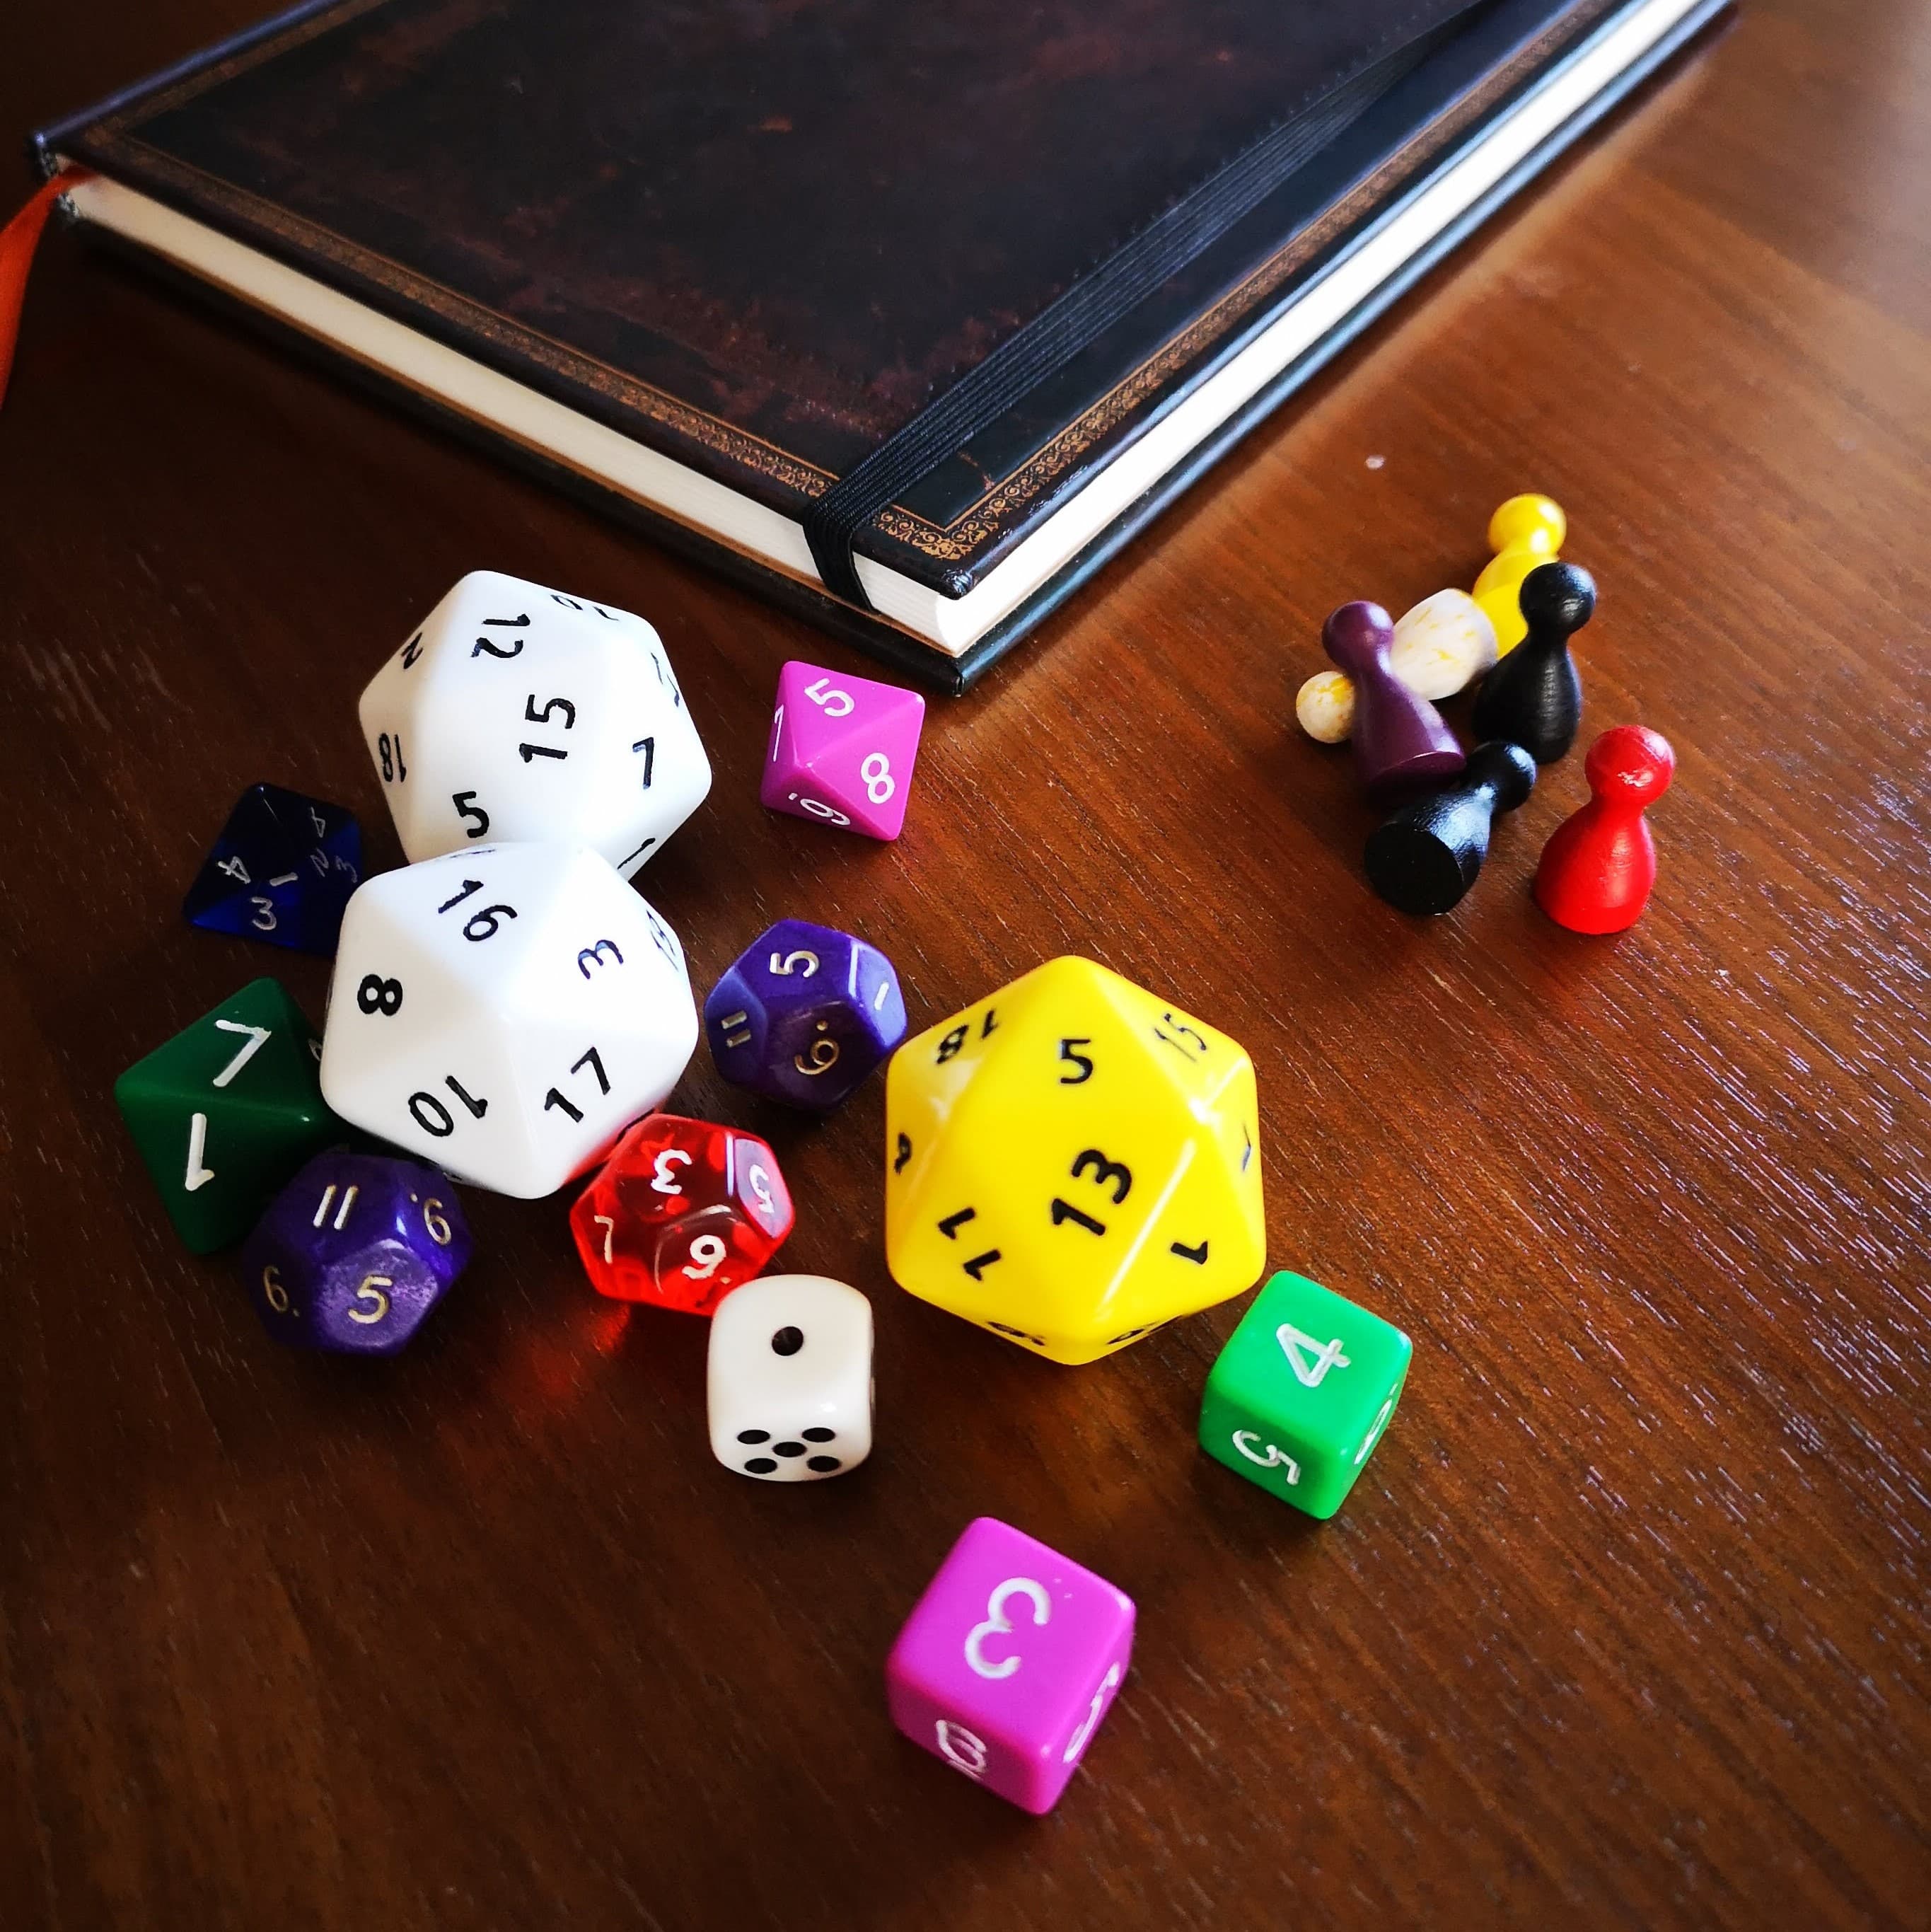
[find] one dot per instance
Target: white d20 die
(790, 1379)
(504, 1012)
(519, 713)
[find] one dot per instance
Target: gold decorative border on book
(980, 521)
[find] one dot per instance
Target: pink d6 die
(842, 750)
(1010, 1662)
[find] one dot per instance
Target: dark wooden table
(1626, 1623)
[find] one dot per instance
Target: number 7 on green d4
(1303, 1390)
(227, 1111)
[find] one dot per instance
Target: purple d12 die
(804, 1015)
(1012, 1658)
(842, 750)
(355, 1251)
(282, 871)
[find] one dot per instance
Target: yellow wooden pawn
(1524, 531)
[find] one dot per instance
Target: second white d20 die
(504, 1012)
(520, 712)
(789, 1385)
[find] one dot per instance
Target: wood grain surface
(1626, 1623)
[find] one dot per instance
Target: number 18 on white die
(505, 1013)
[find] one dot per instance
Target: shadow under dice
(682, 1213)
(227, 1111)
(505, 1013)
(804, 1015)
(281, 872)
(1071, 1163)
(520, 712)
(1009, 1662)
(1303, 1392)
(789, 1383)
(355, 1252)
(842, 750)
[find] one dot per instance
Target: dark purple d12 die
(282, 871)
(355, 1252)
(804, 1015)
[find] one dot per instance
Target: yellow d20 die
(1072, 1163)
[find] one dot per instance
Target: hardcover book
(909, 316)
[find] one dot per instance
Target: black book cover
(763, 237)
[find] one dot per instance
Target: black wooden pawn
(1425, 857)
(1533, 697)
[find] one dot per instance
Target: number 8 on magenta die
(1010, 1661)
(842, 750)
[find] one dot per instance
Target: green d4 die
(1302, 1392)
(226, 1112)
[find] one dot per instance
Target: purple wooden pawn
(1400, 742)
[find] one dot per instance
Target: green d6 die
(225, 1112)
(1302, 1392)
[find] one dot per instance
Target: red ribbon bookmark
(18, 240)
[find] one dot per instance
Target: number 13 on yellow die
(1072, 1163)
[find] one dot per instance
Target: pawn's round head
(1357, 636)
(1529, 523)
(1558, 597)
(1507, 767)
(1630, 763)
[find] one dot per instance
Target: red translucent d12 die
(682, 1212)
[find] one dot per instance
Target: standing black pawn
(1533, 697)
(1426, 857)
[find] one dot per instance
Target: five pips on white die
(790, 1379)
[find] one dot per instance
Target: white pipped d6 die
(520, 712)
(790, 1382)
(504, 1012)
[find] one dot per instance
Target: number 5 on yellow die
(1072, 1163)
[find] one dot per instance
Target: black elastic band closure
(1060, 330)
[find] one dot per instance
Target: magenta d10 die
(842, 750)
(1010, 1662)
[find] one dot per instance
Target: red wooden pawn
(1599, 863)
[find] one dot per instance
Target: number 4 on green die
(1301, 1392)
(227, 1111)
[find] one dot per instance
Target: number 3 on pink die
(998, 1624)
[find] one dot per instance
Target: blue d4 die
(804, 1015)
(282, 871)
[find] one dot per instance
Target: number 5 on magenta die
(842, 750)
